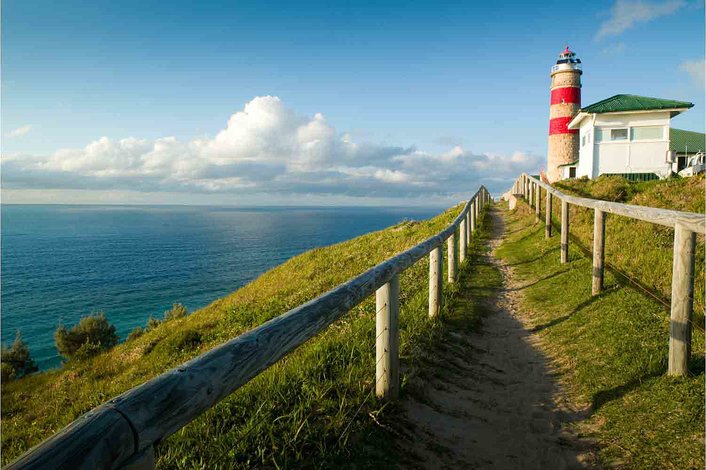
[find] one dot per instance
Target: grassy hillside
(640, 250)
(612, 349)
(309, 409)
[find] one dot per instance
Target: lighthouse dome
(567, 61)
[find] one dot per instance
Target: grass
(612, 348)
(640, 250)
(315, 408)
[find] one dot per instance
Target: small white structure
(511, 199)
(626, 135)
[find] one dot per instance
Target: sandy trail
(493, 400)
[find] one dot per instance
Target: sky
(354, 103)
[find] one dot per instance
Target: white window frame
(608, 131)
(627, 134)
(660, 139)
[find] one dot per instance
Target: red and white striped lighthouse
(565, 104)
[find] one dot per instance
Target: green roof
(680, 141)
(575, 162)
(621, 103)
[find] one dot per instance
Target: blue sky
(455, 91)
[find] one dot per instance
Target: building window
(646, 133)
(618, 134)
(572, 172)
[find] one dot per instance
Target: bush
(135, 333)
(177, 311)
(92, 335)
(7, 372)
(152, 323)
(16, 360)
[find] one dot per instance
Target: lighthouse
(563, 145)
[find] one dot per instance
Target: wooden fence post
(462, 245)
(538, 203)
(682, 313)
(548, 217)
(473, 216)
(387, 377)
(451, 253)
(598, 251)
(468, 228)
(436, 280)
(564, 231)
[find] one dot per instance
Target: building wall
(629, 156)
(586, 134)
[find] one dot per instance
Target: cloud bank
(627, 13)
(265, 148)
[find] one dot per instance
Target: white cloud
(626, 13)
(696, 70)
(20, 131)
(265, 148)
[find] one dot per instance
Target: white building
(625, 135)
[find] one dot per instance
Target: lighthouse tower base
(562, 149)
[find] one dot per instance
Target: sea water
(60, 263)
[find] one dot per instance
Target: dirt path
(492, 401)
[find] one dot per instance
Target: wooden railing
(686, 225)
(122, 432)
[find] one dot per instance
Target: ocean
(60, 263)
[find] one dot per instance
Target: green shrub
(92, 335)
(177, 311)
(152, 323)
(7, 372)
(135, 333)
(16, 360)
